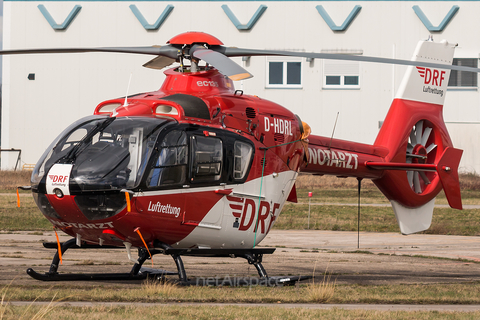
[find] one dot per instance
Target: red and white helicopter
(199, 168)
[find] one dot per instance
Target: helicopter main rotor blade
(237, 52)
(218, 57)
(159, 62)
(222, 63)
(166, 51)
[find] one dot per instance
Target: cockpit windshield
(106, 153)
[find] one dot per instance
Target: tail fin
(415, 134)
(423, 84)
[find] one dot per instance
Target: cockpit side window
(170, 167)
(72, 141)
(207, 158)
(243, 155)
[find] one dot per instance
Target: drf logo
(246, 211)
(431, 76)
(57, 178)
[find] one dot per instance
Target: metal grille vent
(251, 114)
(263, 162)
(279, 138)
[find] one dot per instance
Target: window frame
(246, 170)
(227, 170)
(159, 148)
(342, 75)
(460, 87)
(193, 178)
(285, 61)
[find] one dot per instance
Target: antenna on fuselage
(128, 89)
(333, 131)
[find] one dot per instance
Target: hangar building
(42, 94)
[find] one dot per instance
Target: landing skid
(253, 256)
(246, 281)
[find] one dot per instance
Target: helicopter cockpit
(98, 156)
(106, 153)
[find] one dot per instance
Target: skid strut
(253, 256)
(53, 275)
(256, 260)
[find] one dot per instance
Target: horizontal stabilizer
(401, 166)
(447, 169)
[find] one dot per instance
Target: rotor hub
(190, 38)
(419, 154)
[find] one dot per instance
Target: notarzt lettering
(81, 225)
(329, 158)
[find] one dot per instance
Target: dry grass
(468, 181)
(229, 312)
(27, 217)
(322, 292)
(10, 180)
(446, 221)
(330, 182)
(3, 305)
(455, 293)
(164, 289)
(41, 313)
(27, 312)
(85, 263)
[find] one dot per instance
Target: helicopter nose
(57, 182)
(88, 207)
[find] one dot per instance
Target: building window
(339, 74)
(284, 74)
(463, 78)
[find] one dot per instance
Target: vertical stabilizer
(424, 84)
(421, 159)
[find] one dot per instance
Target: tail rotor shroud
(421, 148)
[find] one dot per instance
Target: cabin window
(207, 155)
(243, 154)
(463, 79)
(171, 165)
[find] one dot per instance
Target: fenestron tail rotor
(420, 145)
